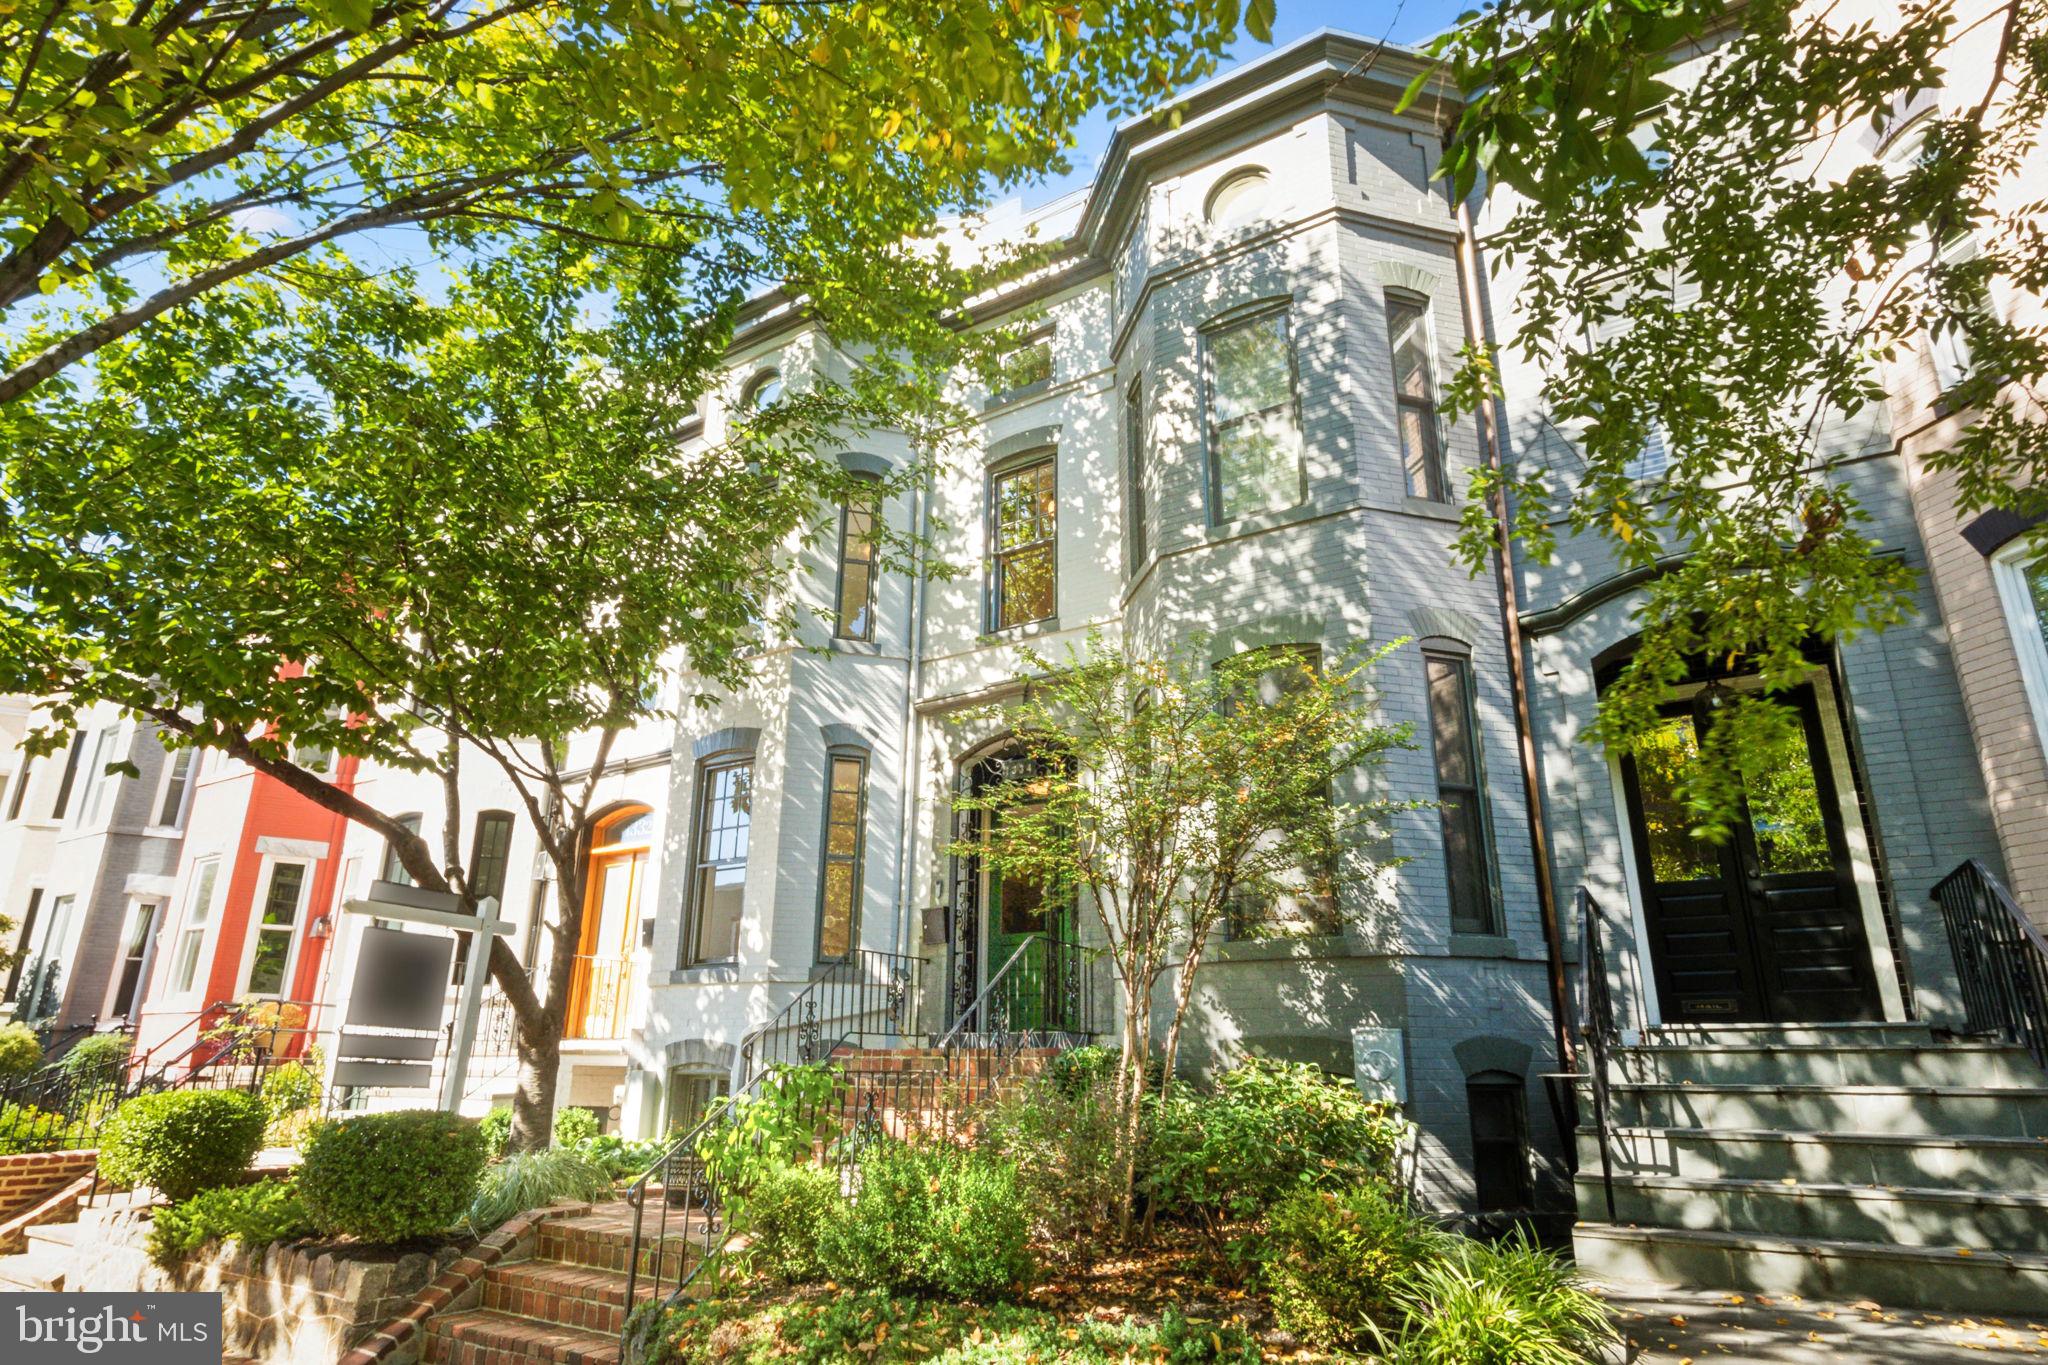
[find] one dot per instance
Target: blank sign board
(401, 979)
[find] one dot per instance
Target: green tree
(1177, 794)
(153, 153)
(1710, 255)
(428, 534)
(290, 503)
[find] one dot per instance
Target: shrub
(249, 1215)
(1061, 1137)
(573, 1126)
(930, 1217)
(25, 1128)
(1511, 1303)
(181, 1141)
(96, 1063)
(21, 1052)
(389, 1177)
(622, 1158)
(1080, 1069)
(496, 1127)
(289, 1089)
(784, 1216)
(531, 1180)
(1269, 1128)
(1333, 1261)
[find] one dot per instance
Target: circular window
(1239, 199)
(763, 389)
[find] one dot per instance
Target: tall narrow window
(1304, 901)
(280, 920)
(28, 765)
(1254, 432)
(1453, 735)
(845, 844)
(170, 810)
(859, 526)
(134, 957)
(64, 784)
(490, 852)
(724, 817)
(1134, 475)
(98, 781)
(1500, 1140)
(1950, 346)
(394, 870)
(42, 992)
(1025, 530)
(28, 930)
(1415, 397)
(615, 891)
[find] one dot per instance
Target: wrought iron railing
(862, 999)
(1599, 1030)
(1041, 996)
(2001, 958)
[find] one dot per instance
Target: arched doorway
(614, 891)
(1779, 922)
(1002, 920)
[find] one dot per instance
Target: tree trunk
(540, 1041)
(1131, 1090)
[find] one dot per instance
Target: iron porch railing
(2001, 958)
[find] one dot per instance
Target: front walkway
(1666, 1326)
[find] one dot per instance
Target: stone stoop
(50, 1234)
(1848, 1161)
(567, 1304)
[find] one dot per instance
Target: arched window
(1238, 198)
(762, 390)
(613, 893)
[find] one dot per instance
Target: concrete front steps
(567, 1304)
(52, 1247)
(1846, 1161)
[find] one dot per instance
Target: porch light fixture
(1715, 694)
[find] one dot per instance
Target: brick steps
(485, 1336)
(567, 1305)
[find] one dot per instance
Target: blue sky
(1402, 21)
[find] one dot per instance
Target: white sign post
(443, 909)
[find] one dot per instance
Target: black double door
(1766, 926)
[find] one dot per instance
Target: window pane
(835, 932)
(1784, 812)
(1025, 510)
(266, 972)
(281, 905)
(1258, 465)
(726, 816)
(1408, 331)
(2036, 577)
(1420, 457)
(857, 536)
(1661, 758)
(1027, 588)
(1449, 722)
(1249, 369)
(174, 787)
(71, 761)
(492, 856)
(1464, 858)
(394, 871)
(720, 894)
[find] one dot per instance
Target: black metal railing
(860, 1000)
(1598, 1028)
(1041, 996)
(2001, 958)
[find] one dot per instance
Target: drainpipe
(1511, 630)
(913, 730)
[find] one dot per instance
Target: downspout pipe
(1518, 668)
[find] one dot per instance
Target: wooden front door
(1766, 926)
